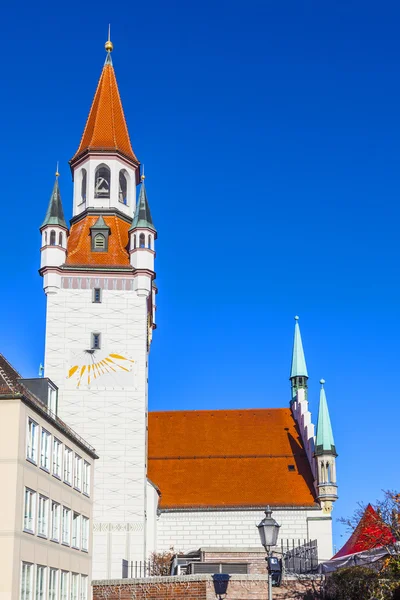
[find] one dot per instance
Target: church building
(181, 479)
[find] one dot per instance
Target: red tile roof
(106, 128)
(79, 250)
(228, 458)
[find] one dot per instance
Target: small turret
(142, 235)
(298, 371)
(54, 232)
(325, 455)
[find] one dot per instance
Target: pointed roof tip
(299, 367)
(142, 216)
(55, 212)
(324, 439)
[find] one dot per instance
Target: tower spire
(55, 213)
(325, 456)
(142, 218)
(298, 371)
(324, 440)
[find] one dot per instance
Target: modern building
(184, 479)
(46, 514)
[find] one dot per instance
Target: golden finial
(108, 45)
(143, 177)
(57, 173)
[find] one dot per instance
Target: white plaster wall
(110, 415)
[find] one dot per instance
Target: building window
(43, 516)
(45, 238)
(26, 581)
(68, 465)
(66, 526)
(134, 241)
(97, 295)
(29, 510)
(64, 585)
(74, 586)
(52, 238)
(78, 473)
(40, 583)
(83, 185)
(96, 341)
(123, 187)
(53, 584)
(84, 587)
(149, 241)
(60, 239)
(57, 458)
(55, 521)
(85, 534)
(142, 241)
(52, 399)
(102, 182)
(45, 450)
(86, 478)
(99, 242)
(76, 530)
(32, 442)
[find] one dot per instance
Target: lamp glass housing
(268, 530)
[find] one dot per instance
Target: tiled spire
(142, 216)
(55, 213)
(299, 368)
(324, 441)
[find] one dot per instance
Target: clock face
(95, 368)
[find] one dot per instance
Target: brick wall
(195, 587)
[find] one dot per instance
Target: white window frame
(32, 435)
(84, 587)
(85, 534)
(86, 478)
(55, 521)
(26, 576)
(68, 465)
(52, 399)
(40, 593)
(76, 530)
(57, 458)
(29, 518)
(64, 583)
(43, 516)
(53, 583)
(66, 526)
(74, 586)
(45, 450)
(78, 472)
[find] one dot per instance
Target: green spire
(142, 216)
(55, 213)
(299, 368)
(324, 441)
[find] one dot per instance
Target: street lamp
(269, 531)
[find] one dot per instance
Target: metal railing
(299, 556)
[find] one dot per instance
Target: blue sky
(270, 134)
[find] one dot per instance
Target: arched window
(123, 187)
(150, 242)
(99, 242)
(45, 238)
(52, 238)
(134, 241)
(102, 180)
(83, 185)
(60, 239)
(328, 473)
(142, 241)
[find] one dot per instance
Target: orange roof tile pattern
(106, 128)
(228, 458)
(79, 247)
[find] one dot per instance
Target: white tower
(100, 317)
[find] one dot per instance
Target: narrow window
(32, 441)
(60, 239)
(53, 584)
(29, 510)
(97, 295)
(102, 182)
(68, 465)
(74, 586)
(76, 530)
(40, 582)
(84, 587)
(66, 526)
(43, 516)
(123, 188)
(99, 242)
(52, 400)
(328, 473)
(64, 585)
(150, 242)
(57, 458)
(55, 521)
(142, 241)
(83, 185)
(45, 238)
(52, 238)
(45, 450)
(26, 581)
(134, 241)
(85, 534)
(96, 341)
(86, 478)
(78, 473)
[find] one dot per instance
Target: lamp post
(268, 530)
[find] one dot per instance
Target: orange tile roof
(79, 250)
(106, 128)
(228, 458)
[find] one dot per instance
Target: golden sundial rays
(87, 373)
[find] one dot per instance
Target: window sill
(30, 531)
(68, 483)
(33, 462)
(54, 540)
(45, 469)
(77, 489)
(86, 494)
(75, 547)
(66, 544)
(57, 476)
(42, 536)
(86, 551)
